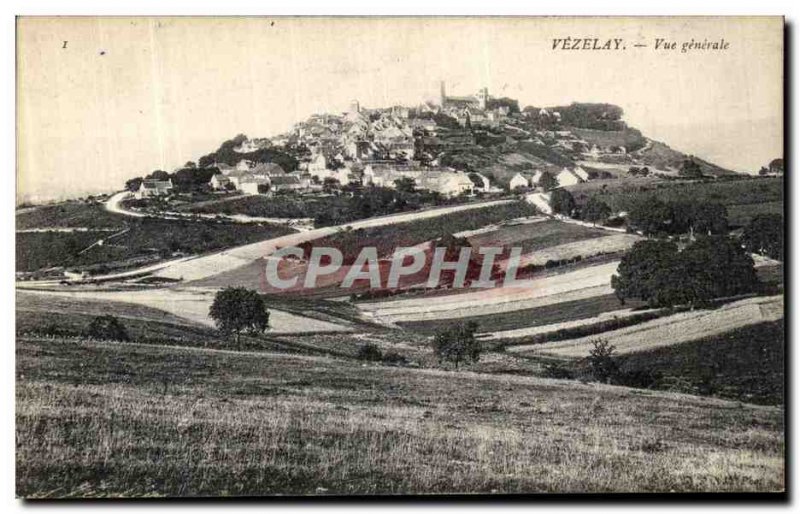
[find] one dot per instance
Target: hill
(111, 419)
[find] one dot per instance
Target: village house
(267, 169)
(518, 181)
(255, 186)
(219, 182)
(152, 187)
(567, 177)
(237, 176)
(446, 183)
(288, 183)
(581, 173)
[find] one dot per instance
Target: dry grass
(99, 419)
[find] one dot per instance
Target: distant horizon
(131, 95)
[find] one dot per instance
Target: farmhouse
(219, 181)
(255, 186)
(287, 183)
(153, 187)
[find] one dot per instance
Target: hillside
(109, 419)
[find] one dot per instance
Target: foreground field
(105, 419)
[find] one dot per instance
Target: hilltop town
(459, 145)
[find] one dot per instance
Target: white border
(303, 7)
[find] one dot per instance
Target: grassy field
(145, 237)
(69, 214)
(545, 315)
(744, 197)
(106, 419)
(387, 238)
(536, 236)
(669, 330)
(745, 364)
(270, 207)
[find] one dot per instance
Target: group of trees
(639, 172)
(764, 235)
(656, 271)
(594, 210)
(655, 217)
(226, 154)
(187, 179)
(775, 167)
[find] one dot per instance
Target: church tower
(483, 98)
(442, 94)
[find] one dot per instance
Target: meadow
(387, 238)
(145, 237)
(743, 197)
(101, 419)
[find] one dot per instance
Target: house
(518, 180)
(236, 177)
(581, 173)
(567, 178)
(255, 186)
(318, 164)
(153, 187)
(267, 169)
(287, 183)
(244, 165)
(219, 182)
(446, 183)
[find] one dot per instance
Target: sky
(101, 100)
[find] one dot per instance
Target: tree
(547, 181)
(776, 166)
(133, 184)
(263, 188)
(369, 352)
(711, 267)
(158, 175)
(107, 327)
(709, 218)
(642, 270)
(562, 202)
(596, 210)
(764, 235)
(236, 310)
(651, 216)
(457, 343)
(330, 184)
(602, 364)
(690, 169)
(405, 185)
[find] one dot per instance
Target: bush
(107, 328)
(394, 358)
(602, 364)
(369, 352)
(457, 343)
